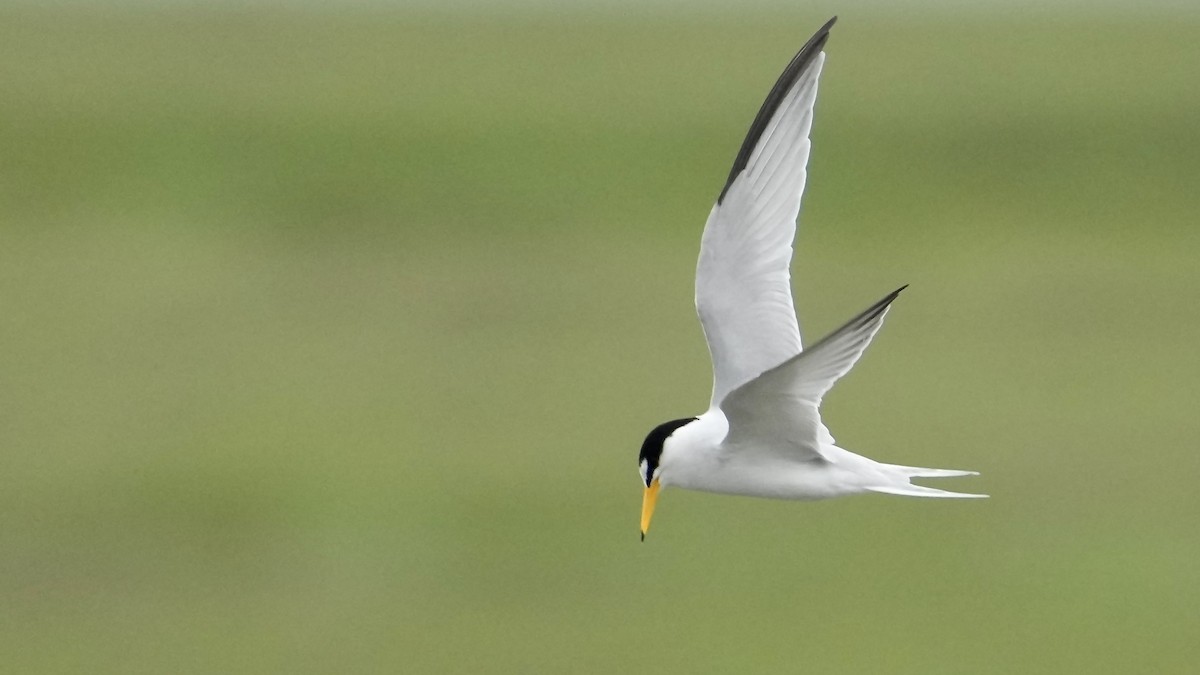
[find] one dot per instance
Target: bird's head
(650, 465)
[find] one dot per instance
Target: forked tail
(910, 490)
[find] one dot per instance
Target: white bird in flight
(762, 435)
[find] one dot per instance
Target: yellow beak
(649, 497)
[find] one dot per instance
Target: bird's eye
(647, 471)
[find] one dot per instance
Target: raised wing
(780, 408)
(743, 284)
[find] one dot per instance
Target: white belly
(696, 459)
(774, 479)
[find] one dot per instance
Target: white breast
(695, 458)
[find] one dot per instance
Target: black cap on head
(653, 445)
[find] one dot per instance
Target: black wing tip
(858, 323)
(824, 30)
(888, 299)
(871, 313)
(786, 79)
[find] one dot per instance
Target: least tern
(762, 435)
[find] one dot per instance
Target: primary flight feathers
(743, 282)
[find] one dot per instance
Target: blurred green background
(330, 337)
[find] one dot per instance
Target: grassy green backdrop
(329, 338)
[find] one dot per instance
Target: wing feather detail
(743, 277)
(781, 407)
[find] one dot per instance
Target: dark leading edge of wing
(858, 323)
(790, 74)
